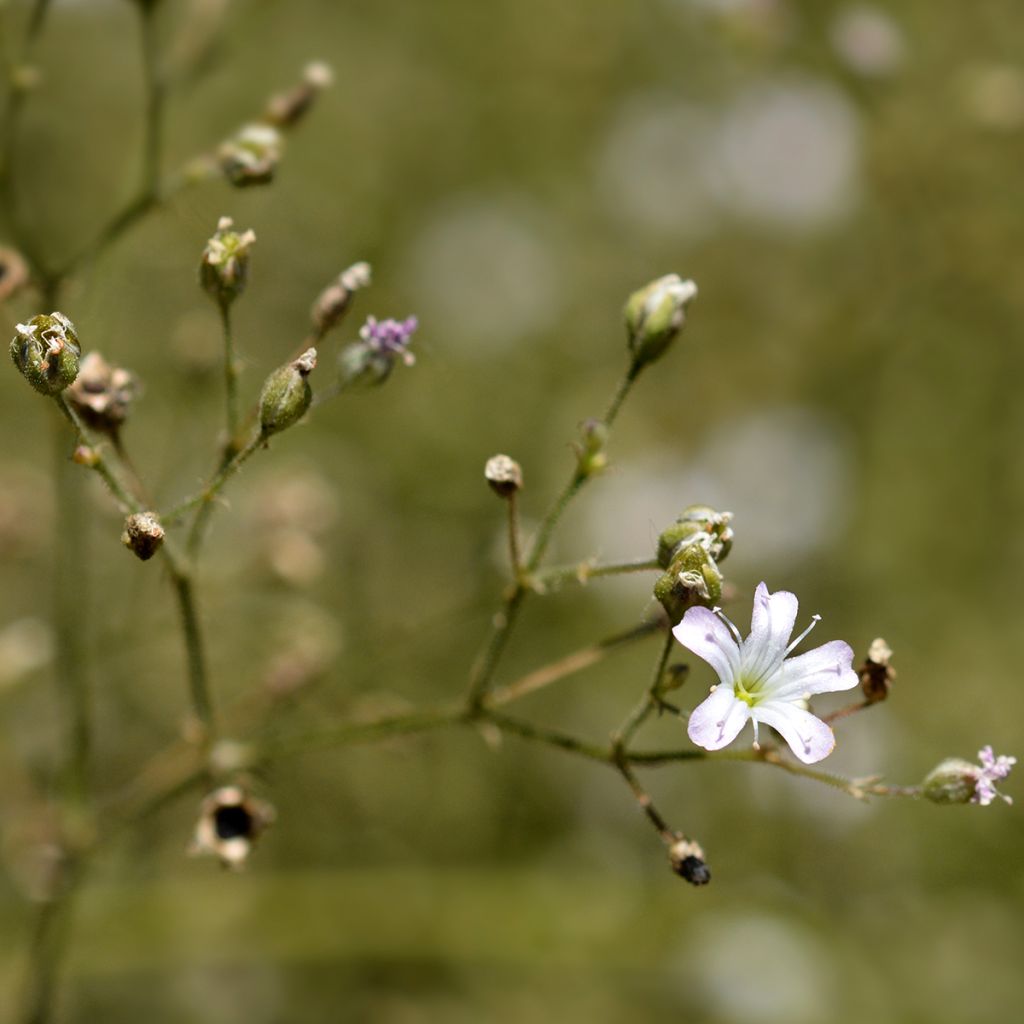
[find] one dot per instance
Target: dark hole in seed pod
(694, 870)
(232, 822)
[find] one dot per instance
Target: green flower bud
(654, 316)
(691, 579)
(224, 268)
(590, 455)
(953, 781)
(143, 535)
(286, 394)
(697, 524)
(46, 351)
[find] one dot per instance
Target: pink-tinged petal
(824, 670)
(808, 737)
(717, 722)
(709, 638)
(771, 626)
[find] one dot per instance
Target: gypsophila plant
(760, 679)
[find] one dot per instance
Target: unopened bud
(224, 267)
(286, 395)
(654, 316)
(504, 475)
(143, 534)
(286, 109)
(687, 859)
(332, 302)
(692, 579)
(13, 273)
(697, 524)
(83, 455)
(251, 157)
(590, 455)
(876, 674)
(102, 394)
(230, 822)
(952, 781)
(46, 351)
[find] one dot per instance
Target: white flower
(757, 683)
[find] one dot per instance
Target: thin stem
(49, 941)
(487, 662)
(643, 799)
(155, 92)
(570, 664)
(849, 709)
(621, 392)
(514, 555)
(204, 500)
(552, 737)
(584, 572)
(199, 686)
(230, 376)
(122, 494)
(639, 714)
(71, 606)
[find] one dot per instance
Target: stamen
(815, 619)
(732, 629)
(757, 745)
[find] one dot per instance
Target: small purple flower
(992, 769)
(390, 338)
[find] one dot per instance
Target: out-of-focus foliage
(843, 184)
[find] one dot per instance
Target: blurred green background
(843, 182)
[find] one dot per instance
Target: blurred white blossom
(868, 40)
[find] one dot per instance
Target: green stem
(487, 662)
(586, 571)
(552, 737)
(155, 92)
(569, 665)
(514, 556)
(71, 610)
(643, 799)
(230, 376)
(199, 686)
(203, 502)
(639, 714)
(49, 942)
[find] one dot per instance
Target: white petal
(825, 669)
(771, 626)
(717, 722)
(808, 737)
(709, 638)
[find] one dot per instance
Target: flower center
(749, 689)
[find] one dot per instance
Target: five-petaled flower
(757, 681)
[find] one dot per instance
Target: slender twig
(121, 492)
(514, 556)
(552, 737)
(504, 620)
(204, 501)
(570, 664)
(639, 714)
(643, 799)
(230, 376)
(199, 685)
(584, 572)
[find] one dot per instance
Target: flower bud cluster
(46, 351)
(654, 316)
(689, 551)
